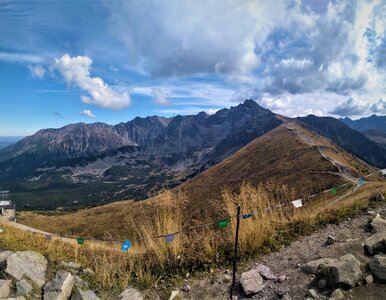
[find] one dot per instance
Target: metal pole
(236, 251)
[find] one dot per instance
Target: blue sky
(109, 61)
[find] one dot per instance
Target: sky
(63, 62)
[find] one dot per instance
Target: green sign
(333, 191)
(80, 241)
(223, 223)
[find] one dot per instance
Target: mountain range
(88, 164)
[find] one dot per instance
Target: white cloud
(20, 58)
(37, 71)
(76, 71)
(160, 97)
(87, 113)
(353, 107)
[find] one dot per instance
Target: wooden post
(235, 252)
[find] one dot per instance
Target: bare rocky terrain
(289, 266)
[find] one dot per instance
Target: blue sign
(126, 245)
(169, 238)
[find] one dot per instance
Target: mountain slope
(287, 155)
(373, 122)
(377, 137)
(347, 138)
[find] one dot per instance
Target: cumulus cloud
(353, 107)
(160, 97)
(76, 71)
(87, 113)
(37, 71)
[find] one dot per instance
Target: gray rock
(281, 278)
(17, 298)
(313, 266)
(251, 282)
(330, 240)
(84, 295)
(313, 294)
(345, 272)
(186, 288)
(265, 272)
(378, 224)
(27, 263)
(23, 288)
(54, 296)
(62, 284)
(89, 272)
(5, 287)
(130, 294)
(376, 243)
(369, 279)
(79, 282)
(4, 255)
(337, 295)
(372, 213)
(70, 265)
(377, 265)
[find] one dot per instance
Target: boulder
(84, 295)
(344, 273)
(378, 224)
(377, 265)
(60, 286)
(5, 287)
(130, 294)
(312, 267)
(27, 263)
(337, 295)
(376, 243)
(251, 282)
(265, 272)
(23, 288)
(70, 265)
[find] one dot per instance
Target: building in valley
(7, 207)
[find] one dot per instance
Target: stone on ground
(313, 266)
(377, 265)
(345, 272)
(27, 263)
(251, 282)
(337, 295)
(61, 286)
(84, 295)
(23, 288)
(5, 287)
(71, 265)
(378, 224)
(376, 243)
(265, 272)
(369, 279)
(330, 240)
(130, 294)
(313, 294)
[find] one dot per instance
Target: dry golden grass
(153, 260)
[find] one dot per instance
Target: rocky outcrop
(376, 243)
(23, 288)
(378, 224)
(377, 265)
(251, 282)
(26, 264)
(345, 272)
(312, 267)
(5, 287)
(130, 294)
(60, 287)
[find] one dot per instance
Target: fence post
(235, 252)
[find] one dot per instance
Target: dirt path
(349, 238)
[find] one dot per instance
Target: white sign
(298, 203)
